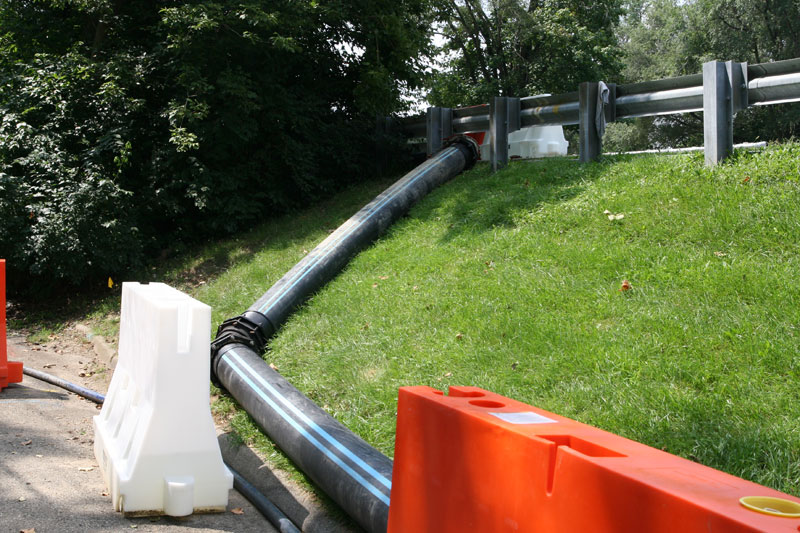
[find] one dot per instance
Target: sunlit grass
(511, 282)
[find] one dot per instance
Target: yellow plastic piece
(772, 506)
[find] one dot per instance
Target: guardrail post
(724, 93)
(503, 119)
(611, 108)
(439, 126)
(589, 141)
(737, 73)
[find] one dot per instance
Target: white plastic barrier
(154, 438)
(529, 143)
(537, 141)
(486, 147)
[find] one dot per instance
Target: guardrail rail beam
(722, 89)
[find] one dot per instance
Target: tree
(665, 38)
(129, 128)
(515, 48)
(674, 37)
(757, 32)
(661, 39)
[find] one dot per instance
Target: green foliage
(625, 136)
(665, 38)
(515, 48)
(63, 151)
(753, 31)
(661, 39)
(130, 128)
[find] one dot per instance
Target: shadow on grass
(187, 267)
(480, 200)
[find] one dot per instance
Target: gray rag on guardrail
(600, 113)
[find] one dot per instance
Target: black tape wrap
(471, 144)
(251, 329)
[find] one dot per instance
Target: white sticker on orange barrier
(527, 417)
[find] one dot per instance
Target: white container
(528, 143)
(537, 141)
(154, 439)
(486, 147)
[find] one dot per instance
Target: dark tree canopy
(128, 127)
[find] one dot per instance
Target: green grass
(42, 334)
(511, 281)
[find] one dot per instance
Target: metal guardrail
(760, 84)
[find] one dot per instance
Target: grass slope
(511, 282)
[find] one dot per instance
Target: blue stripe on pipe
(330, 247)
(313, 425)
(317, 444)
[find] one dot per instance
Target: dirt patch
(67, 354)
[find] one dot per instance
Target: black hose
(256, 325)
(264, 505)
(259, 501)
(89, 394)
(353, 473)
(328, 259)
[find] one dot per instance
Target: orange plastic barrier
(475, 461)
(10, 371)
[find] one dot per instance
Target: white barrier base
(154, 439)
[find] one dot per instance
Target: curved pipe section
(259, 323)
(326, 260)
(353, 473)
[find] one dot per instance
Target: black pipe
(89, 394)
(274, 515)
(258, 324)
(353, 473)
(264, 505)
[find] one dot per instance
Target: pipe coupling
(251, 329)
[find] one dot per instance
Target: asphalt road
(50, 480)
